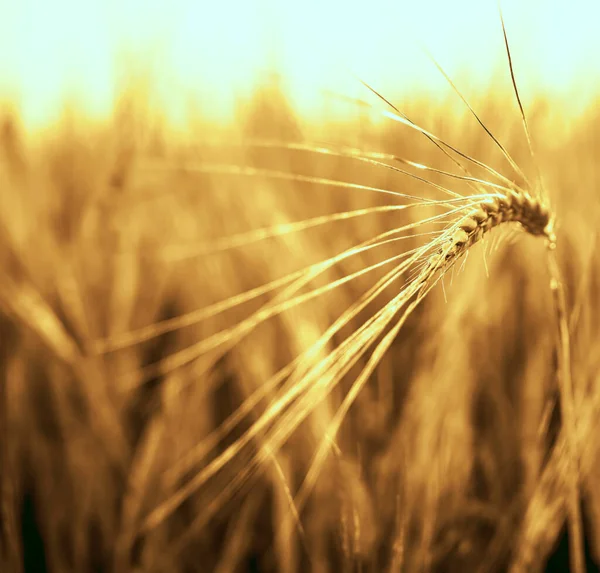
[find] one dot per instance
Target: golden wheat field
(270, 339)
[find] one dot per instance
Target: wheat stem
(574, 519)
(535, 217)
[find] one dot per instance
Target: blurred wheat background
(187, 241)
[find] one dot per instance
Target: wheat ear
(516, 206)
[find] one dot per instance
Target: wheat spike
(517, 206)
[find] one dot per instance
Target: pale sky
(213, 50)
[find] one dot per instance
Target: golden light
(211, 52)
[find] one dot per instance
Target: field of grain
(245, 347)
